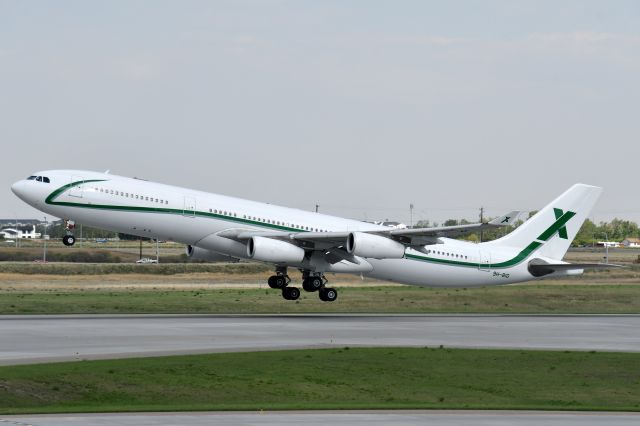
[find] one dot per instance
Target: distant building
(631, 242)
(18, 222)
(387, 222)
(12, 233)
(392, 224)
(608, 244)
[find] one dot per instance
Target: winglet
(507, 219)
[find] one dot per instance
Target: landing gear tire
(68, 240)
(328, 294)
(312, 284)
(277, 281)
(291, 293)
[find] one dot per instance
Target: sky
(363, 107)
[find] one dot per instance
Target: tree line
(589, 234)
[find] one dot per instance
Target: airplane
(222, 228)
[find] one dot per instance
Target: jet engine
(198, 253)
(375, 246)
(275, 251)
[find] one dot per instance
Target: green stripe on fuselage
(524, 254)
(557, 226)
(181, 212)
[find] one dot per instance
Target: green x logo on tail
(562, 232)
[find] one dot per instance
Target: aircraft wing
(413, 236)
(409, 237)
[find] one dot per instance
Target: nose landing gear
(69, 240)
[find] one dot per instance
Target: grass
(128, 268)
(363, 378)
(614, 299)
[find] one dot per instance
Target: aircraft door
(484, 263)
(76, 190)
(189, 207)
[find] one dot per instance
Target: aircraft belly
(172, 227)
(436, 275)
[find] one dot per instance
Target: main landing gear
(310, 282)
(69, 240)
(317, 282)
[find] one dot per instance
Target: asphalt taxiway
(33, 339)
(321, 418)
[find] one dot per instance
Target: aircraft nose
(18, 188)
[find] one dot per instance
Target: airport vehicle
(221, 228)
(146, 260)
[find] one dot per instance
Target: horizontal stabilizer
(542, 269)
(506, 220)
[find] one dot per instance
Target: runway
(33, 339)
(403, 418)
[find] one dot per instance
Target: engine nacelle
(375, 246)
(275, 251)
(198, 253)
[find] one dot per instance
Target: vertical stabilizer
(557, 224)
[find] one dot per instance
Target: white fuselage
(155, 210)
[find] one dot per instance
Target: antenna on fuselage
(106, 172)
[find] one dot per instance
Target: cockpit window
(39, 179)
